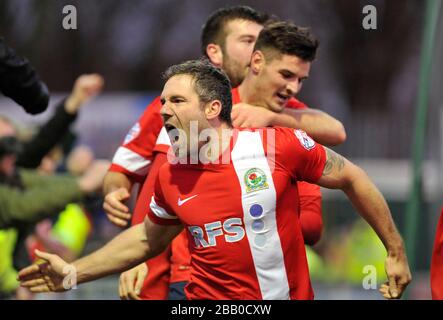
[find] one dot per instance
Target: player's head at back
(196, 95)
(228, 38)
(281, 61)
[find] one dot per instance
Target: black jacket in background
(20, 82)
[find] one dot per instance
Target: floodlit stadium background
(368, 79)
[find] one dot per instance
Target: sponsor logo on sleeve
(133, 133)
(306, 141)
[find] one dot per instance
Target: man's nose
(166, 110)
(293, 87)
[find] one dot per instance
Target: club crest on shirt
(305, 140)
(133, 133)
(255, 179)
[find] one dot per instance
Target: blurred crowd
(49, 184)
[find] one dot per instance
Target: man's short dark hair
(210, 82)
(284, 37)
(213, 31)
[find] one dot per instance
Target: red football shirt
(310, 195)
(241, 217)
(310, 206)
(437, 263)
(147, 138)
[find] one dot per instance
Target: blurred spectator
(363, 249)
(16, 205)
(349, 255)
(8, 274)
(68, 234)
(26, 196)
(85, 88)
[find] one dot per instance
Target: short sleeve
(301, 155)
(159, 212)
(135, 154)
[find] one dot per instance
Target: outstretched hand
(51, 274)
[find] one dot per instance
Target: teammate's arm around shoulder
(340, 173)
(321, 126)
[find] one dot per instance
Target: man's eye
(247, 40)
(286, 75)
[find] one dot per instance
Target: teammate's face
(181, 110)
(237, 50)
(279, 79)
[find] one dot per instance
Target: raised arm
(85, 88)
(340, 173)
(322, 127)
(131, 247)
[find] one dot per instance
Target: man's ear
(257, 61)
(213, 109)
(215, 54)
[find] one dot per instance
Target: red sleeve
(437, 263)
(296, 104)
(147, 190)
(311, 219)
(301, 155)
(159, 212)
(135, 153)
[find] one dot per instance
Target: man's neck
(249, 92)
(220, 142)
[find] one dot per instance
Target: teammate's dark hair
(213, 31)
(284, 37)
(211, 83)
